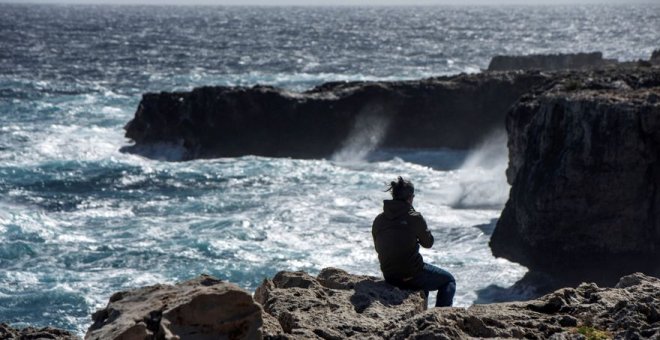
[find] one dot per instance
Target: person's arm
(424, 236)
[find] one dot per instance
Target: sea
(80, 219)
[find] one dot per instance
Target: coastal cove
(234, 159)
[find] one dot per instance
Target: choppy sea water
(80, 220)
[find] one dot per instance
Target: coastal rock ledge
(338, 305)
(207, 122)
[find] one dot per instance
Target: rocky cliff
(338, 305)
(584, 172)
(454, 112)
(549, 62)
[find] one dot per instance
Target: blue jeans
(434, 278)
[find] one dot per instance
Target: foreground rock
(338, 305)
(585, 171)
(454, 112)
(629, 311)
(202, 308)
(549, 62)
(7, 332)
(334, 305)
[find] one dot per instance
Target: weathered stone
(549, 62)
(32, 333)
(454, 112)
(584, 169)
(336, 305)
(201, 308)
(617, 312)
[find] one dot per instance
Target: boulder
(335, 305)
(584, 172)
(8, 332)
(453, 112)
(549, 62)
(202, 308)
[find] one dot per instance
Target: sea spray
(367, 133)
(482, 181)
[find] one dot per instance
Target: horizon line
(206, 4)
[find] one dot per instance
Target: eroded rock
(202, 308)
(335, 305)
(629, 311)
(584, 169)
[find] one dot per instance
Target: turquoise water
(80, 220)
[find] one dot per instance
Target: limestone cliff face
(585, 172)
(454, 112)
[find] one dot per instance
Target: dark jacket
(398, 231)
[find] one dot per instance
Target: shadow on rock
(531, 286)
(538, 283)
(334, 305)
(368, 292)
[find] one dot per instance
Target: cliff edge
(584, 172)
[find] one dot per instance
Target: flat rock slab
(202, 308)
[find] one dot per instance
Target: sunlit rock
(202, 308)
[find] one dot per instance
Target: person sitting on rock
(398, 232)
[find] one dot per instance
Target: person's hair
(401, 189)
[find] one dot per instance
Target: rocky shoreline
(456, 112)
(339, 305)
(584, 151)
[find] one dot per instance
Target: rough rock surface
(454, 112)
(549, 62)
(585, 172)
(631, 310)
(202, 308)
(338, 305)
(30, 333)
(334, 305)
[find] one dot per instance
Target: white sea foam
(482, 179)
